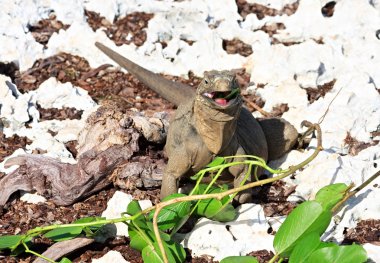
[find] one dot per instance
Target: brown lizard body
(210, 122)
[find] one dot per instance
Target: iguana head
(219, 89)
(217, 106)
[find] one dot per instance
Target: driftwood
(63, 248)
(108, 148)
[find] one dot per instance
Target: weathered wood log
(109, 140)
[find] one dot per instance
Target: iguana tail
(174, 92)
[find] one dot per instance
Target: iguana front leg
(178, 165)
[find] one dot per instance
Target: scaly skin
(206, 125)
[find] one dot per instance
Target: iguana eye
(205, 81)
(235, 83)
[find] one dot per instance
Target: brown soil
(59, 114)
(262, 11)
(236, 46)
(9, 145)
(314, 94)
(366, 231)
(124, 30)
(355, 146)
(273, 197)
(44, 29)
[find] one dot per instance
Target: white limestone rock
(54, 94)
(276, 4)
(111, 257)
(247, 233)
(32, 198)
(14, 111)
(372, 252)
(117, 205)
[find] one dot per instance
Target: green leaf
(170, 215)
(138, 242)
(327, 244)
(10, 242)
(330, 195)
(65, 260)
(211, 208)
(140, 234)
(174, 253)
(239, 259)
(177, 251)
(208, 207)
(305, 247)
(306, 218)
(151, 255)
(133, 208)
(339, 254)
(65, 233)
(144, 236)
(228, 213)
(217, 161)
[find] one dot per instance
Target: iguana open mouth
(222, 98)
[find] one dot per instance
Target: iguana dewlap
(210, 122)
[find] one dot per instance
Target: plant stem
(272, 260)
(348, 195)
(27, 250)
(39, 230)
(157, 233)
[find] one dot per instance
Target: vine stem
(354, 192)
(219, 196)
(27, 250)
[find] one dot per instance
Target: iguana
(210, 122)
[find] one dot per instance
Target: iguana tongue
(221, 101)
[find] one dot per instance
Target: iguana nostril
(223, 85)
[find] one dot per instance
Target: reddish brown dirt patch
(63, 66)
(236, 46)
(10, 144)
(278, 110)
(366, 231)
(262, 11)
(126, 30)
(355, 146)
(59, 114)
(71, 146)
(271, 29)
(262, 255)
(314, 94)
(273, 197)
(44, 29)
